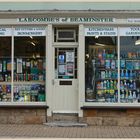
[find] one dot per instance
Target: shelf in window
(29, 57)
(130, 89)
(129, 78)
(106, 59)
(28, 82)
(130, 69)
(130, 59)
(100, 79)
(108, 89)
(107, 69)
(5, 83)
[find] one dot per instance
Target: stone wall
(22, 116)
(112, 117)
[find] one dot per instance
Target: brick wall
(119, 117)
(22, 116)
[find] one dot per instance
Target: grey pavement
(44, 131)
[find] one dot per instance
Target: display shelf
(102, 79)
(28, 82)
(5, 83)
(130, 59)
(107, 89)
(103, 68)
(130, 69)
(23, 104)
(129, 78)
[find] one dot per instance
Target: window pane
(130, 69)
(65, 63)
(101, 78)
(29, 71)
(5, 69)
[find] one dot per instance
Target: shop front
(83, 68)
(112, 94)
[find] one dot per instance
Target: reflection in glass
(101, 77)
(130, 69)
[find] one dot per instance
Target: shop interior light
(37, 55)
(137, 42)
(87, 55)
(96, 36)
(31, 37)
(98, 44)
(33, 43)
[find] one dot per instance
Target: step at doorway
(68, 117)
(65, 120)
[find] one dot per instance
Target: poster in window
(61, 59)
(61, 70)
(69, 56)
(70, 68)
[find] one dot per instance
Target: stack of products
(29, 93)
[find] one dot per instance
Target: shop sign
(66, 20)
(100, 31)
(133, 20)
(29, 31)
(5, 31)
(130, 31)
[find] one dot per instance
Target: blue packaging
(122, 64)
(129, 65)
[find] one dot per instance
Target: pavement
(44, 131)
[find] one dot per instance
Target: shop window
(101, 79)
(65, 34)
(29, 69)
(5, 69)
(130, 68)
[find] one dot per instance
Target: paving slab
(66, 124)
(44, 131)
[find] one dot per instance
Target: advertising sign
(29, 31)
(100, 31)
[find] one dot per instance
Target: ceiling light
(137, 42)
(98, 44)
(33, 43)
(31, 37)
(96, 36)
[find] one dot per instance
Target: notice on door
(61, 59)
(61, 70)
(70, 68)
(69, 56)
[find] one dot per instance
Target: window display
(5, 69)
(29, 69)
(101, 69)
(23, 80)
(130, 66)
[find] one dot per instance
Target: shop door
(65, 90)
